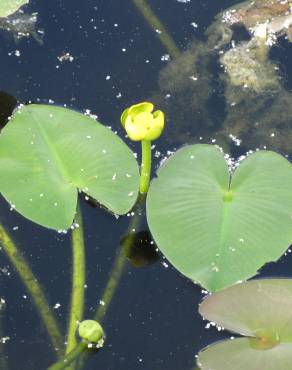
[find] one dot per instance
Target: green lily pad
(8, 7)
(216, 228)
(259, 309)
(47, 153)
(237, 354)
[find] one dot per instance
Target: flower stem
(145, 166)
(33, 288)
(78, 282)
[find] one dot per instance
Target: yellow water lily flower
(141, 124)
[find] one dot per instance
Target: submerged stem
(69, 358)
(145, 167)
(3, 359)
(109, 291)
(116, 272)
(78, 283)
(155, 23)
(33, 288)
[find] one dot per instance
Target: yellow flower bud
(141, 124)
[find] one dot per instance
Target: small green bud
(92, 332)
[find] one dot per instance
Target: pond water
(103, 56)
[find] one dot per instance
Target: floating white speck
(2, 303)
(165, 58)
(66, 57)
(4, 340)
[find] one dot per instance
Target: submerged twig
(33, 288)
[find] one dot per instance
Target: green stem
(69, 358)
(78, 283)
(3, 359)
(33, 288)
(145, 167)
(116, 272)
(155, 23)
(109, 291)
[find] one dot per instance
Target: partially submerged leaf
(251, 307)
(217, 229)
(259, 309)
(47, 153)
(8, 7)
(237, 354)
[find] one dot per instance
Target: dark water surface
(153, 322)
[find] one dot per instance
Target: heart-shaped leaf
(260, 309)
(216, 228)
(47, 153)
(8, 7)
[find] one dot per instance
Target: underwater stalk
(108, 293)
(155, 23)
(3, 359)
(33, 288)
(70, 357)
(117, 270)
(78, 282)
